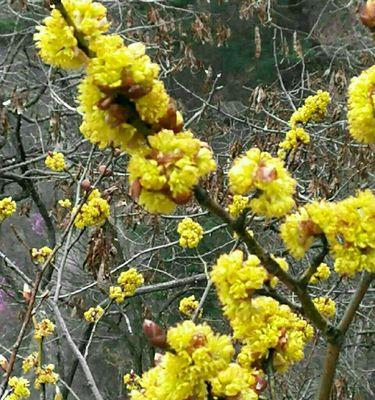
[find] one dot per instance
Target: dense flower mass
(361, 106)
(166, 173)
(94, 212)
(260, 323)
(93, 314)
(65, 203)
(190, 233)
(314, 109)
(188, 305)
(259, 171)
(43, 329)
(348, 226)
(30, 362)
(19, 388)
(55, 161)
(7, 207)
(325, 306)
(238, 205)
(128, 282)
(45, 375)
(40, 256)
(322, 273)
(198, 357)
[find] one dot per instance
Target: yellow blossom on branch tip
(43, 329)
(41, 255)
(55, 161)
(361, 106)
(238, 205)
(93, 314)
(7, 208)
(30, 362)
(326, 306)
(322, 274)
(188, 305)
(117, 294)
(191, 233)
(267, 177)
(45, 375)
(65, 203)
(129, 281)
(20, 388)
(94, 212)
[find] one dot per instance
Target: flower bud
(117, 152)
(367, 14)
(86, 184)
(260, 385)
(154, 333)
(3, 363)
(104, 170)
(26, 293)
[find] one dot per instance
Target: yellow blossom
(116, 293)
(45, 375)
(238, 205)
(7, 208)
(93, 314)
(31, 361)
(293, 138)
(129, 281)
(326, 306)
(188, 305)
(65, 203)
(322, 274)
(43, 329)
(259, 171)
(94, 212)
(191, 233)
(20, 388)
(314, 109)
(41, 255)
(361, 106)
(55, 161)
(165, 175)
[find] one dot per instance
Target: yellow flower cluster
(259, 171)
(30, 362)
(55, 161)
(43, 329)
(57, 40)
(7, 208)
(191, 233)
(166, 173)
(20, 388)
(94, 212)
(235, 382)
(314, 109)
(128, 282)
(198, 357)
(65, 203)
(236, 278)
(361, 106)
(260, 323)
(263, 324)
(45, 375)
(348, 226)
(188, 305)
(326, 306)
(238, 205)
(322, 274)
(40, 256)
(93, 314)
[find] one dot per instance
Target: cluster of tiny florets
(55, 161)
(265, 175)
(7, 207)
(93, 314)
(322, 274)
(94, 212)
(188, 305)
(348, 225)
(43, 329)
(128, 282)
(190, 232)
(326, 306)
(45, 375)
(41, 255)
(361, 106)
(19, 388)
